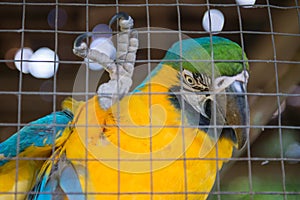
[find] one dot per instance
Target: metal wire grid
(178, 5)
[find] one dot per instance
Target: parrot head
(212, 78)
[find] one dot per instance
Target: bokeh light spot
(62, 17)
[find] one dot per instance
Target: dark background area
(269, 33)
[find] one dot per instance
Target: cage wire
(268, 31)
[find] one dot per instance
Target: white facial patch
(222, 82)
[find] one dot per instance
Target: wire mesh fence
(268, 31)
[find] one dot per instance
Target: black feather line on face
(195, 81)
(202, 80)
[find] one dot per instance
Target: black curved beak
(238, 114)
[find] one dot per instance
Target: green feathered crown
(196, 56)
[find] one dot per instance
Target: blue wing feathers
(39, 133)
(69, 182)
(56, 180)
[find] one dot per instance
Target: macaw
(166, 139)
(23, 154)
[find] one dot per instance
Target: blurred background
(268, 167)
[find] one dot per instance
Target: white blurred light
(216, 22)
(246, 3)
(42, 65)
(105, 46)
(19, 60)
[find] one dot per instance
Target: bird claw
(121, 69)
(120, 73)
(81, 51)
(125, 22)
(80, 48)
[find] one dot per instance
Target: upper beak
(238, 112)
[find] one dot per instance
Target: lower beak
(238, 112)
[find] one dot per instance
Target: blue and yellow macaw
(23, 154)
(165, 140)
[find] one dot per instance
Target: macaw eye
(188, 77)
(189, 80)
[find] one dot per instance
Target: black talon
(80, 38)
(117, 16)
